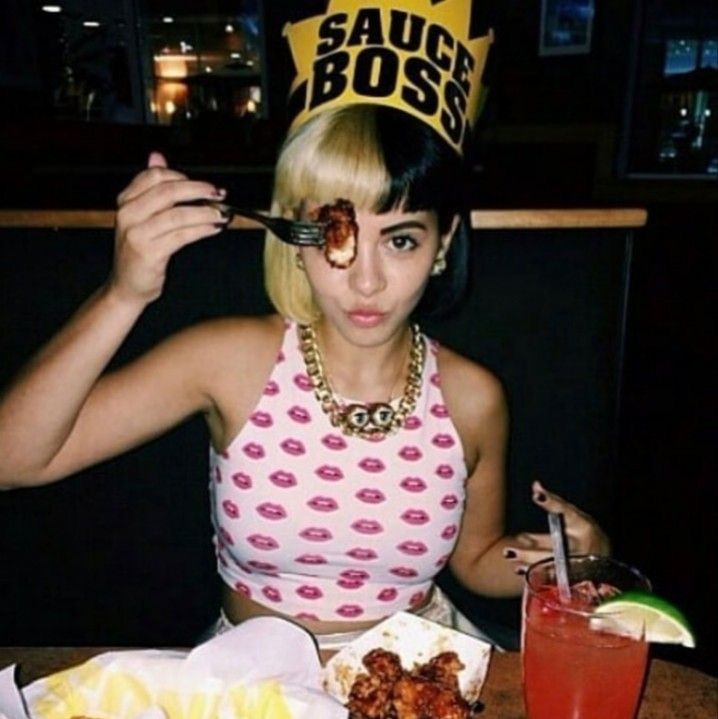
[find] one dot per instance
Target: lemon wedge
(641, 614)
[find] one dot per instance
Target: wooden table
(672, 691)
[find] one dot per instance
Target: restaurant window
(672, 109)
(149, 61)
(200, 63)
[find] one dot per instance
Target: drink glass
(572, 669)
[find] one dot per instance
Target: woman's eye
(403, 242)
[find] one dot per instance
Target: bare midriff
(238, 607)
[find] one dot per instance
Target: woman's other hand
(583, 534)
(152, 225)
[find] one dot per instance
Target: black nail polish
(509, 554)
(541, 497)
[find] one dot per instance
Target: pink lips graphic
(268, 510)
(413, 484)
(271, 388)
(370, 496)
(253, 450)
(225, 536)
(264, 567)
(262, 541)
(242, 588)
(410, 453)
(367, 526)
(445, 471)
(334, 441)
(242, 480)
(450, 501)
(415, 516)
(316, 534)
(293, 447)
(404, 572)
(442, 560)
(350, 583)
(350, 611)
(303, 382)
(230, 509)
(443, 441)
(308, 592)
(439, 410)
(311, 559)
(299, 414)
(388, 594)
(412, 548)
(280, 357)
(435, 380)
(412, 422)
(272, 593)
(261, 419)
(218, 475)
(323, 504)
(329, 473)
(358, 575)
(370, 464)
(361, 553)
(283, 479)
(449, 532)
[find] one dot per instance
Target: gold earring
(439, 265)
(299, 262)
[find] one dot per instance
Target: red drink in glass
(572, 670)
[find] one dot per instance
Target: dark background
(612, 404)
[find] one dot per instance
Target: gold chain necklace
(369, 421)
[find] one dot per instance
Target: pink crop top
(320, 525)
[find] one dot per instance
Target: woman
(352, 458)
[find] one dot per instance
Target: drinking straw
(559, 554)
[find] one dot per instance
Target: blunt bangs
(334, 155)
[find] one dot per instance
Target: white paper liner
(415, 640)
(266, 668)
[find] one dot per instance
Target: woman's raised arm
(59, 415)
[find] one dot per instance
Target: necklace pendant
(382, 415)
(368, 421)
(357, 416)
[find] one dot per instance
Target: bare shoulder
(239, 338)
(463, 380)
(475, 398)
(237, 355)
(229, 348)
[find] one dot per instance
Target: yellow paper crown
(413, 55)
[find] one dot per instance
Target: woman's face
(373, 297)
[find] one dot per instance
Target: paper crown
(413, 55)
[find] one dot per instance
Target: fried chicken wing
(417, 698)
(341, 233)
(388, 691)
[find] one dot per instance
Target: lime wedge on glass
(637, 614)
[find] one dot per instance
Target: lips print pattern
(318, 524)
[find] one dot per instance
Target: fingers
(156, 159)
(551, 502)
(156, 174)
(154, 220)
(179, 226)
(583, 534)
(164, 195)
(527, 548)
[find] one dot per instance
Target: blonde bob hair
(376, 157)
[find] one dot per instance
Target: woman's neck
(368, 374)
